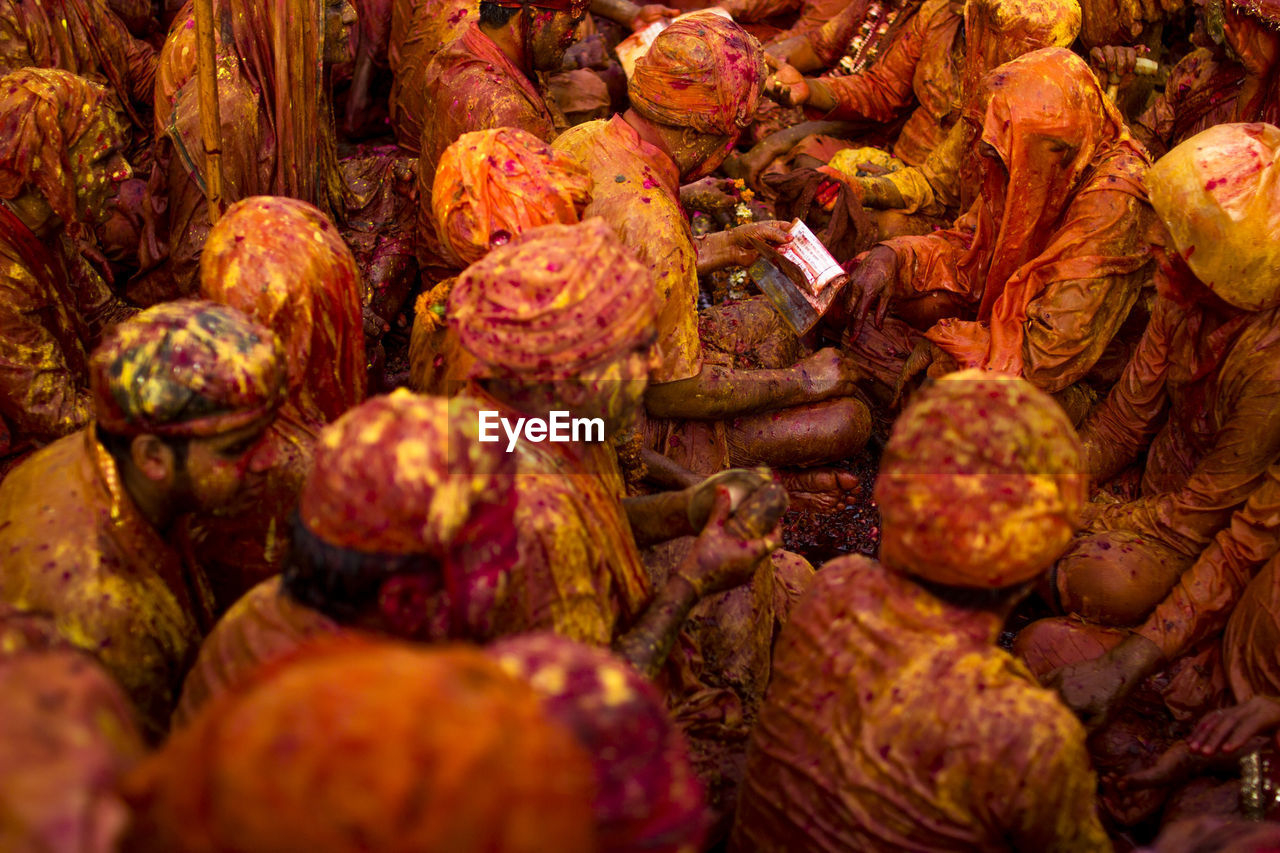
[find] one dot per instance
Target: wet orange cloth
(66, 737)
(1250, 642)
(647, 798)
(371, 746)
(920, 68)
(636, 191)
(703, 72)
(470, 85)
(554, 301)
(86, 38)
(418, 31)
(76, 547)
(1054, 252)
(492, 185)
(893, 722)
(283, 264)
(981, 483)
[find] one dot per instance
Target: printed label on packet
(806, 251)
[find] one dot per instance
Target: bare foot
(819, 489)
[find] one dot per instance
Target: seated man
(691, 95)
(1041, 273)
(181, 394)
(893, 721)
(487, 78)
(60, 164)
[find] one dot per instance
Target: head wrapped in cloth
(282, 262)
(1218, 193)
(703, 72)
(980, 484)
(492, 185)
(557, 300)
(999, 31)
(362, 745)
(648, 799)
(44, 112)
(186, 369)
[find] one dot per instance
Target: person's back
(893, 722)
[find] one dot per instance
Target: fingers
(721, 506)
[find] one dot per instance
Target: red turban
(186, 368)
(492, 185)
(556, 300)
(281, 262)
(369, 746)
(703, 72)
(648, 799)
(981, 483)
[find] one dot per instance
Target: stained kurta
(469, 85)
(86, 38)
(66, 736)
(1053, 254)
(921, 67)
(76, 547)
(636, 191)
(1200, 92)
(893, 722)
(418, 31)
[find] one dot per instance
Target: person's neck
(508, 40)
(650, 133)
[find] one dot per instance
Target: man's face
(217, 467)
(551, 33)
(339, 22)
(98, 167)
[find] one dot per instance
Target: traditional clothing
(369, 746)
(67, 735)
(893, 722)
(418, 31)
(53, 304)
(1053, 254)
(1209, 360)
(647, 798)
(396, 476)
(77, 546)
(282, 263)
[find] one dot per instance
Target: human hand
(734, 247)
(1227, 730)
(1173, 765)
(588, 53)
(652, 13)
(829, 373)
(785, 85)
(708, 195)
(722, 560)
(1114, 60)
(1092, 688)
(871, 286)
(741, 483)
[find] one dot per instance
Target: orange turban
(554, 301)
(186, 368)
(703, 72)
(281, 262)
(43, 113)
(1219, 195)
(492, 185)
(981, 483)
(362, 746)
(402, 474)
(648, 799)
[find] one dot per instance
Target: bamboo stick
(210, 119)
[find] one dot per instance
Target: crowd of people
(429, 425)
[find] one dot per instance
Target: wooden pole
(210, 119)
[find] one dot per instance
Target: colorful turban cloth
(44, 112)
(648, 799)
(492, 185)
(703, 72)
(402, 474)
(1219, 195)
(282, 262)
(981, 483)
(186, 368)
(362, 746)
(552, 302)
